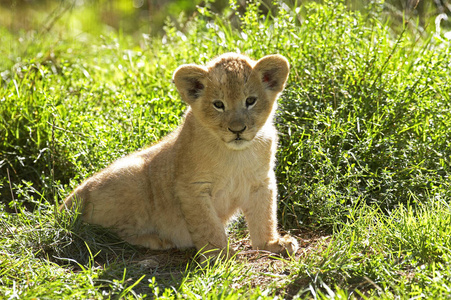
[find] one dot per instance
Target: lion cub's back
(119, 194)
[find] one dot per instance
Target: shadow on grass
(118, 268)
(137, 271)
(121, 269)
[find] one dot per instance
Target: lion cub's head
(233, 96)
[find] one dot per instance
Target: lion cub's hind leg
(149, 240)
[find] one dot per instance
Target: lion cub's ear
(190, 81)
(273, 71)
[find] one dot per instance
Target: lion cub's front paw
(284, 245)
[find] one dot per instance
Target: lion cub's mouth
(238, 143)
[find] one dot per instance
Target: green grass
(363, 162)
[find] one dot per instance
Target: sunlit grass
(363, 162)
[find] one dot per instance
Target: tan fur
(182, 191)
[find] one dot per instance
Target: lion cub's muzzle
(241, 137)
(238, 132)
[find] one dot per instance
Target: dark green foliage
(361, 120)
(364, 153)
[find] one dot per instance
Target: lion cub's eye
(250, 101)
(219, 105)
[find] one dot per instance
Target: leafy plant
(363, 161)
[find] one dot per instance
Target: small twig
(54, 16)
(52, 159)
(373, 283)
(65, 130)
(255, 254)
(389, 56)
(254, 251)
(11, 189)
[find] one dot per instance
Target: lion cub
(182, 191)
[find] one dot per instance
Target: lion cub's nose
(237, 131)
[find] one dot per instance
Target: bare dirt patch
(262, 268)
